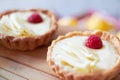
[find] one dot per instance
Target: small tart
(16, 32)
(71, 59)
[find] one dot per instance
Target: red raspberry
(94, 42)
(35, 18)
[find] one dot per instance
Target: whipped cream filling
(16, 24)
(72, 54)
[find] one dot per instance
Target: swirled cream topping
(72, 54)
(16, 24)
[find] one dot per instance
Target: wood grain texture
(24, 71)
(35, 59)
(5, 75)
(2, 78)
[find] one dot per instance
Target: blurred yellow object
(118, 35)
(68, 21)
(96, 22)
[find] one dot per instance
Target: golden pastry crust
(26, 42)
(99, 75)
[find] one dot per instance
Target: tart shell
(26, 42)
(99, 75)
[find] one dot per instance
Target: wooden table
(29, 65)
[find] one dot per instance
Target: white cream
(16, 24)
(72, 54)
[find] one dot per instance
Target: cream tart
(27, 29)
(85, 56)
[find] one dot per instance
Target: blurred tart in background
(27, 29)
(92, 20)
(98, 22)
